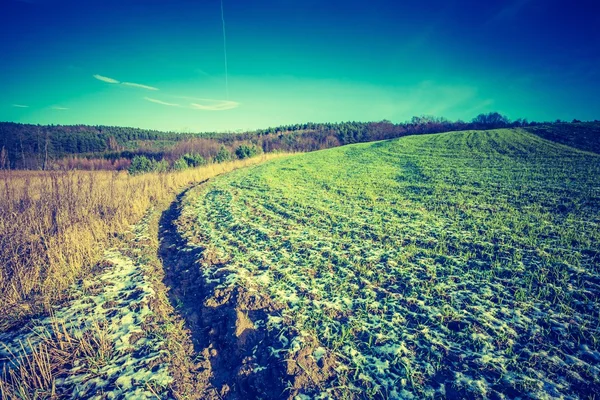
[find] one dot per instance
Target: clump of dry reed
(33, 373)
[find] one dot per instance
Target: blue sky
(160, 64)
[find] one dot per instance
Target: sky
(162, 64)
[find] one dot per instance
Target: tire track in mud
(181, 277)
(227, 326)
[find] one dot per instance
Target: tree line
(24, 146)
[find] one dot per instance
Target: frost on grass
(456, 265)
(112, 306)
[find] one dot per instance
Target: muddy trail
(231, 352)
(235, 353)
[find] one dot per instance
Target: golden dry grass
(55, 225)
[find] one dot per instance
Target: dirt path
(185, 294)
(231, 351)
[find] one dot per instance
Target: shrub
(223, 155)
(180, 164)
(140, 165)
(143, 164)
(245, 151)
(194, 160)
(160, 166)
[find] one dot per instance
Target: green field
(457, 265)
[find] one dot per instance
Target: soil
(234, 361)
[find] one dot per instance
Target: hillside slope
(462, 265)
(581, 135)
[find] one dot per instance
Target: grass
(114, 336)
(460, 265)
(55, 225)
(33, 373)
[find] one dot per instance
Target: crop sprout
(463, 264)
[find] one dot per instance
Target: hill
(581, 135)
(456, 265)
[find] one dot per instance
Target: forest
(61, 147)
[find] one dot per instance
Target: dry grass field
(54, 225)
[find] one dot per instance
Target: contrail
(225, 51)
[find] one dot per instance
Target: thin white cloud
(105, 79)
(59, 108)
(214, 105)
(164, 103)
(210, 104)
(138, 85)
(199, 104)
(130, 84)
(20, 106)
